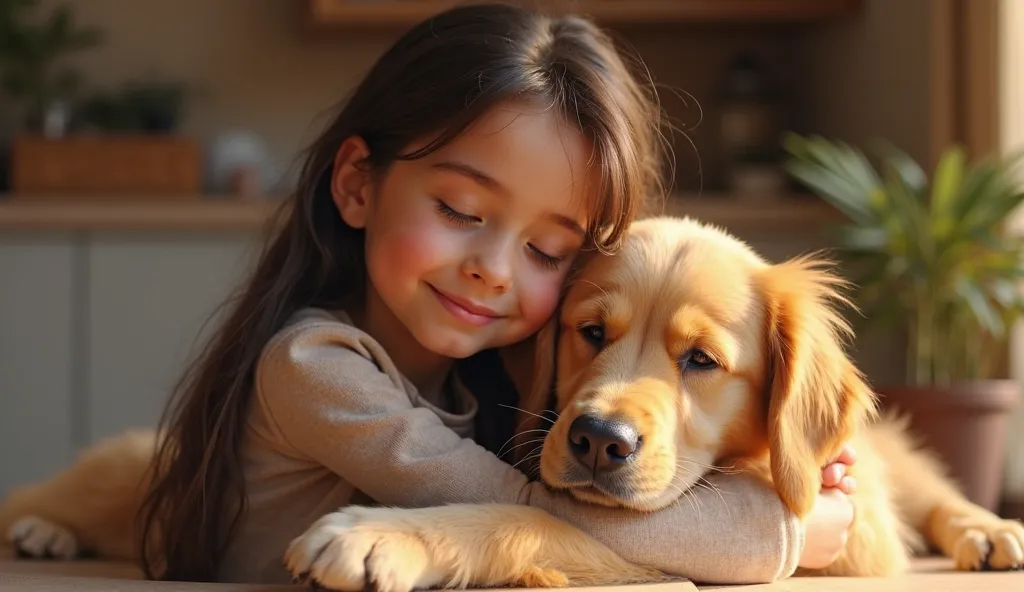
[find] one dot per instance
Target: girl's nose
(493, 267)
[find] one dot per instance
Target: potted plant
(938, 263)
(30, 62)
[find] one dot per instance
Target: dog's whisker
(690, 499)
(530, 456)
(700, 505)
(525, 459)
(708, 486)
(521, 444)
(502, 451)
(682, 468)
(730, 470)
(603, 291)
(507, 442)
(535, 451)
(519, 426)
(538, 416)
(691, 496)
(712, 487)
(703, 483)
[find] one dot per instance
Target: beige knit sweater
(333, 417)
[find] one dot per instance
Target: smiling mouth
(464, 310)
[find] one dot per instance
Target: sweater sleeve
(325, 392)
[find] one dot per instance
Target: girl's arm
(327, 390)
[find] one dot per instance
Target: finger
(847, 456)
(848, 485)
(833, 474)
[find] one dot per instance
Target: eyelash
(459, 219)
(453, 216)
(547, 261)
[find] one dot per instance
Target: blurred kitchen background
(143, 144)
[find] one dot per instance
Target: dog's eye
(695, 359)
(594, 334)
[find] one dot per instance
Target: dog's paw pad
(1007, 542)
(351, 550)
(398, 562)
(36, 537)
(310, 548)
(996, 545)
(971, 550)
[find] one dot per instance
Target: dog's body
(682, 354)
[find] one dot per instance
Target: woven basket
(135, 166)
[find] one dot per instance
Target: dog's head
(684, 351)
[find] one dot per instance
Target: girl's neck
(425, 369)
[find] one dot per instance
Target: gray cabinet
(148, 301)
(38, 400)
(95, 329)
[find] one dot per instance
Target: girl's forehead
(528, 152)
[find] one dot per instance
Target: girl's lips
(465, 310)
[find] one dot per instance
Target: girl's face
(468, 247)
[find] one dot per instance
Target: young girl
(434, 222)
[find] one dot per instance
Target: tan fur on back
(779, 402)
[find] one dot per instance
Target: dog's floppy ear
(817, 398)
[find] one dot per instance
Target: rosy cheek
(538, 302)
(407, 253)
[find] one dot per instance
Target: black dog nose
(602, 444)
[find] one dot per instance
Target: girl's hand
(825, 529)
(826, 526)
(834, 474)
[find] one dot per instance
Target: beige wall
(248, 61)
(870, 77)
(1011, 120)
(255, 66)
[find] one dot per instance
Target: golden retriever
(684, 347)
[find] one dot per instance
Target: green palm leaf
(934, 253)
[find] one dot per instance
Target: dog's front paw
(37, 537)
(357, 548)
(998, 545)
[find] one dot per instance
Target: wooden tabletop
(931, 575)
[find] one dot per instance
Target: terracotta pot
(966, 425)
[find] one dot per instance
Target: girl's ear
(351, 184)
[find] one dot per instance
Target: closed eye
(454, 216)
(546, 261)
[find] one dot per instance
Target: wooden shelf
(184, 214)
(211, 213)
(402, 13)
(748, 212)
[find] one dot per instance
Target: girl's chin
(452, 346)
(459, 347)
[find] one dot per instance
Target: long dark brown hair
(433, 82)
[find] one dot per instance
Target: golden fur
(773, 392)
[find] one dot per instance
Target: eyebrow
(472, 173)
(569, 223)
(489, 182)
